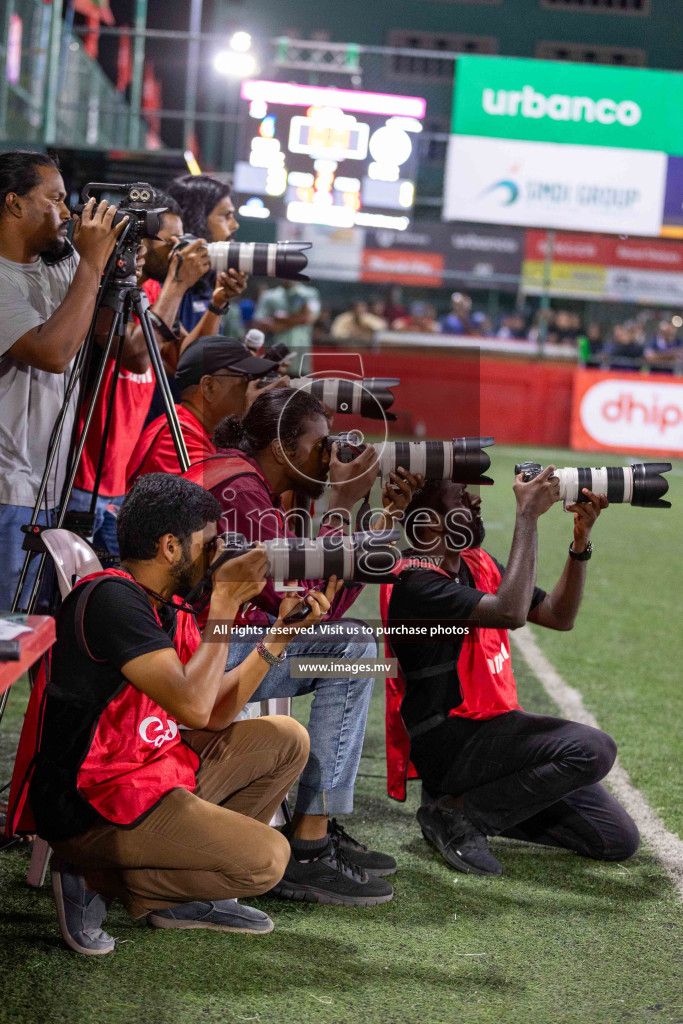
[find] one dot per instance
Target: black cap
(208, 355)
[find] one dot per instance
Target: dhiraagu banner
(584, 104)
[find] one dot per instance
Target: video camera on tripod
(120, 293)
(138, 203)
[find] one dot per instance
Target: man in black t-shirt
(490, 768)
(175, 824)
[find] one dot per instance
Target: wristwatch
(218, 310)
(272, 659)
(581, 556)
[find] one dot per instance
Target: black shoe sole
(378, 872)
(310, 894)
(457, 862)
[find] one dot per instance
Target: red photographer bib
(484, 671)
(135, 755)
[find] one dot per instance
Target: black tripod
(120, 293)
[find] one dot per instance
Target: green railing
(62, 97)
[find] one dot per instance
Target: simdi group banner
(633, 412)
(548, 144)
(604, 267)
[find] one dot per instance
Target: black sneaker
(333, 879)
(376, 864)
(457, 840)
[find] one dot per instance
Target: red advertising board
(410, 267)
(627, 413)
(607, 250)
(605, 267)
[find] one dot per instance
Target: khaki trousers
(213, 844)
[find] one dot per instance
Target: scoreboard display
(317, 155)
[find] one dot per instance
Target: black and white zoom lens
(461, 460)
(264, 259)
(641, 484)
(370, 397)
(363, 557)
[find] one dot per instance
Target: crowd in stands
(648, 339)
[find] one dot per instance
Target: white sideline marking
(668, 848)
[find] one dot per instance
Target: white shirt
(30, 399)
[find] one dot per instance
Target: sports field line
(667, 847)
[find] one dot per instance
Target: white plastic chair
(73, 558)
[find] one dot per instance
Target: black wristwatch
(218, 310)
(581, 556)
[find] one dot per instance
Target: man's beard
(156, 271)
(479, 531)
(184, 574)
(57, 246)
(310, 488)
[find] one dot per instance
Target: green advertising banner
(584, 104)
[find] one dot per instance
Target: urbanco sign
(550, 101)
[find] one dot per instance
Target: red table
(32, 646)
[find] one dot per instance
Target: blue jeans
(12, 518)
(105, 523)
(338, 713)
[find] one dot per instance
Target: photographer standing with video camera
(48, 290)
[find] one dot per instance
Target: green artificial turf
(556, 940)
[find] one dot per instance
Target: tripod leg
(107, 424)
(141, 307)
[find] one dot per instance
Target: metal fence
(51, 91)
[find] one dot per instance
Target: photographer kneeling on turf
(489, 768)
(172, 823)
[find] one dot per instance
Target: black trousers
(530, 777)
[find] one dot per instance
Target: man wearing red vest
(216, 377)
(172, 823)
(489, 768)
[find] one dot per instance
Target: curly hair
(162, 503)
(197, 195)
(281, 415)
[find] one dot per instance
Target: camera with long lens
(264, 259)
(363, 557)
(139, 202)
(640, 484)
(369, 397)
(461, 459)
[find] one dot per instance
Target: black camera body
(530, 470)
(349, 445)
(138, 202)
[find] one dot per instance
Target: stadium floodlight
(238, 61)
(234, 64)
(240, 42)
